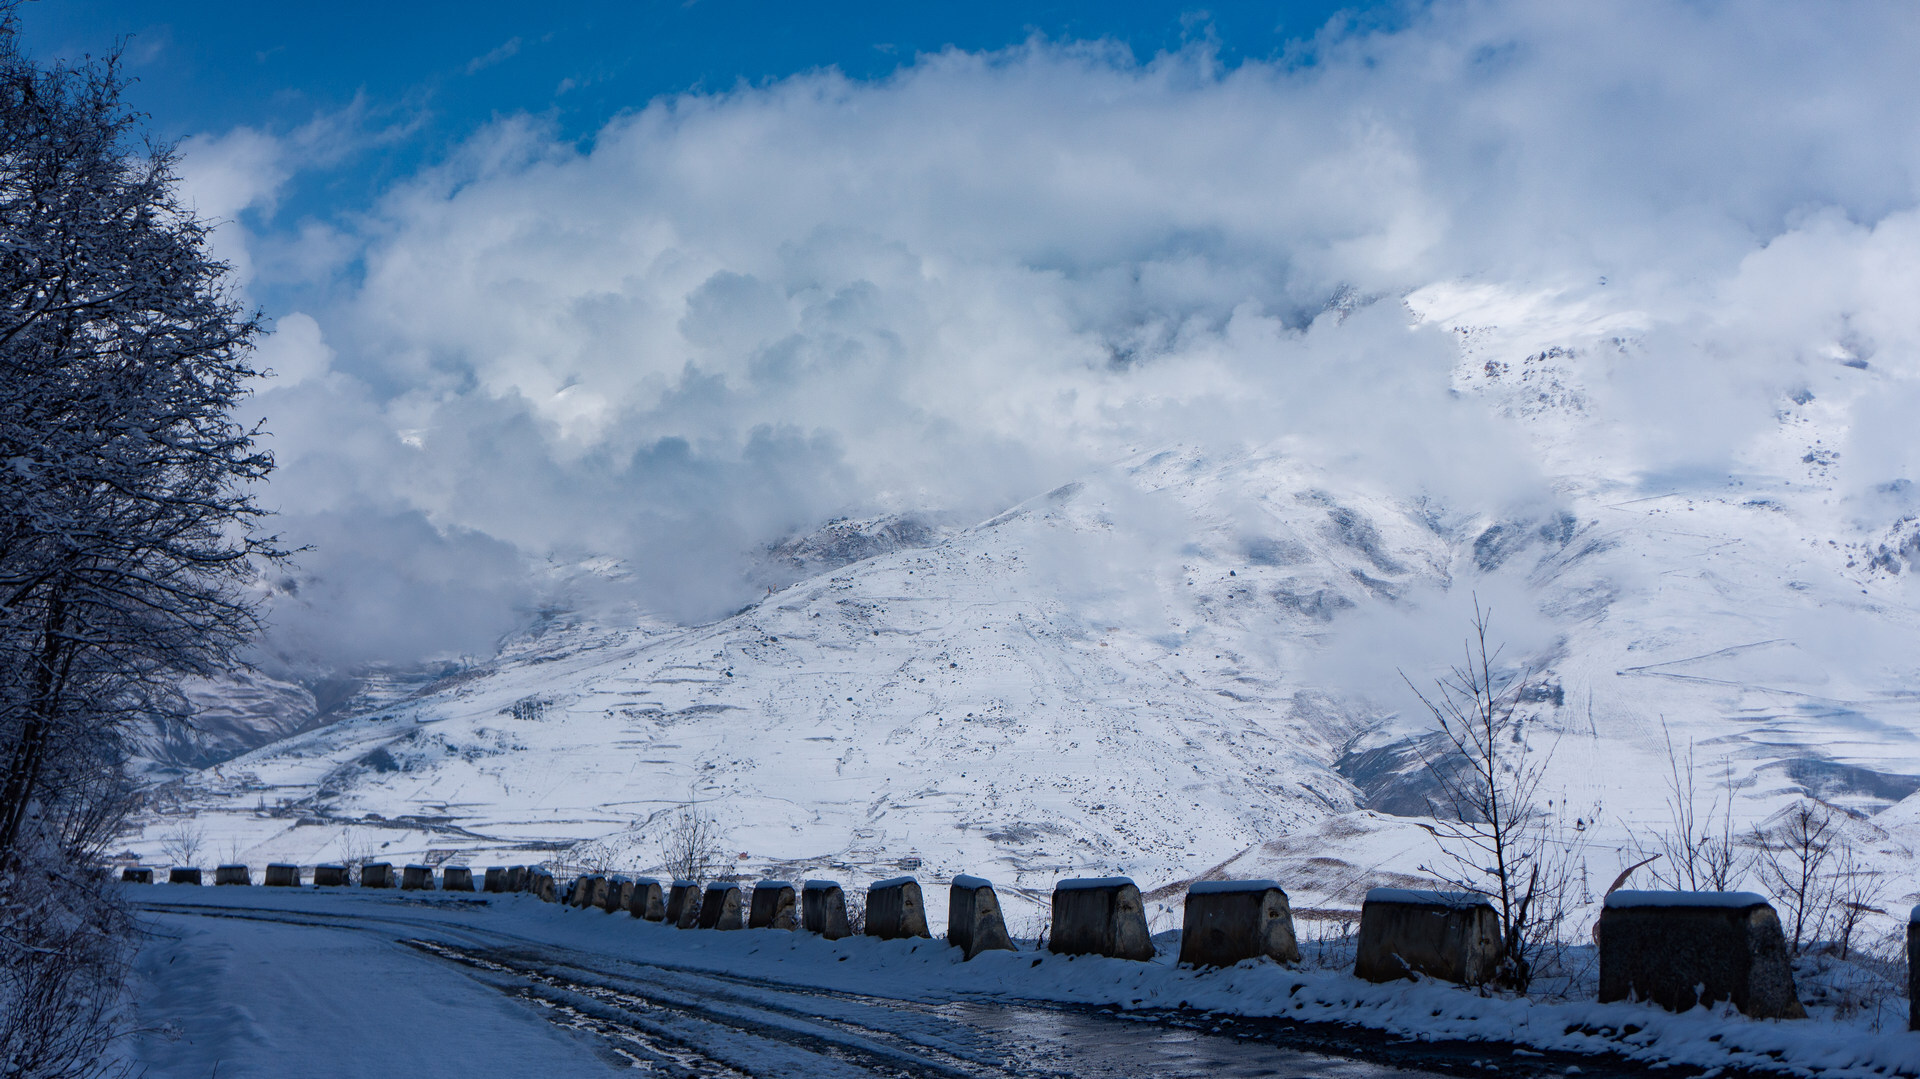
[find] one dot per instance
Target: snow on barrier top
(893, 882)
(1913, 916)
(641, 882)
(723, 886)
(678, 883)
(819, 885)
(1078, 884)
(774, 884)
(1214, 887)
(1725, 900)
(1422, 897)
(968, 880)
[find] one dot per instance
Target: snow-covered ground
(254, 981)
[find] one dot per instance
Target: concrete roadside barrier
(1100, 916)
(136, 874)
(974, 921)
(720, 907)
(1913, 972)
(377, 875)
(647, 901)
(516, 878)
(232, 874)
(823, 909)
(541, 884)
(456, 878)
(1404, 933)
(619, 893)
(183, 874)
(896, 910)
(773, 906)
(683, 904)
(1679, 949)
(496, 879)
(331, 876)
(1228, 921)
(416, 878)
(282, 875)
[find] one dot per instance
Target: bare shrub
(1699, 851)
(181, 844)
(356, 850)
(1795, 854)
(1035, 927)
(1497, 833)
(1858, 890)
(693, 847)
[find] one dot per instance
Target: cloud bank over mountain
(732, 316)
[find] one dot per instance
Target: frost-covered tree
(127, 520)
(126, 485)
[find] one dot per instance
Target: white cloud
(733, 315)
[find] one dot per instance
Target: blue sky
(439, 70)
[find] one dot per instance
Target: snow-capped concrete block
(541, 884)
(720, 907)
(416, 878)
(495, 880)
(683, 904)
(516, 878)
(1453, 936)
(1100, 916)
(773, 907)
(136, 874)
(282, 875)
(1679, 949)
(647, 901)
(585, 891)
(618, 893)
(1913, 970)
(896, 910)
(974, 922)
(823, 909)
(1228, 921)
(183, 874)
(456, 878)
(232, 874)
(377, 875)
(331, 876)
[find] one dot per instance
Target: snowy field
(297, 982)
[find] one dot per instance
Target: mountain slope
(1187, 663)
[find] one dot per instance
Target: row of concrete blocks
(896, 909)
(1674, 949)
(453, 878)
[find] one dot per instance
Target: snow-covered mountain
(1186, 663)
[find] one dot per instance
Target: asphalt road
(673, 1021)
